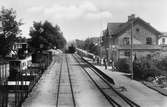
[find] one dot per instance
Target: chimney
(131, 17)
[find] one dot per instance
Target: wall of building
(139, 37)
(17, 46)
(138, 53)
(160, 41)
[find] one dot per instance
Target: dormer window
(149, 41)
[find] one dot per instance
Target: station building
(118, 37)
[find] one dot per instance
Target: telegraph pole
(131, 50)
(109, 55)
(100, 47)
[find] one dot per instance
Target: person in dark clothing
(105, 63)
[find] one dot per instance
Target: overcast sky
(81, 19)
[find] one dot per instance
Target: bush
(161, 64)
(123, 65)
(145, 68)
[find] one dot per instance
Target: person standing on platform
(105, 63)
(110, 62)
(101, 61)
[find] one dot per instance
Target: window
(126, 41)
(137, 29)
(149, 41)
(127, 53)
(163, 40)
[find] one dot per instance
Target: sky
(80, 19)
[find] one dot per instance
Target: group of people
(103, 61)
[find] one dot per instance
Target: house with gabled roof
(117, 36)
(163, 41)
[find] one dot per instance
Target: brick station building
(117, 37)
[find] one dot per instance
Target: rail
(107, 80)
(70, 82)
(58, 90)
(69, 75)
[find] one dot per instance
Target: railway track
(65, 93)
(115, 98)
(71, 87)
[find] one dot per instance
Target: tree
(45, 36)
(21, 39)
(90, 44)
(37, 40)
(10, 27)
(79, 43)
(54, 35)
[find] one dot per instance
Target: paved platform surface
(162, 91)
(135, 90)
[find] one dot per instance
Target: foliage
(21, 39)
(79, 43)
(162, 65)
(143, 68)
(146, 67)
(94, 49)
(90, 44)
(122, 65)
(37, 41)
(54, 35)
(10, 28)
(45, 36)
(105, 39)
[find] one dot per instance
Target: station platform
(135, 90)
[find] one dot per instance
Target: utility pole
(131, 50)
(100, 46)
(106, 41)
(110, 41)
